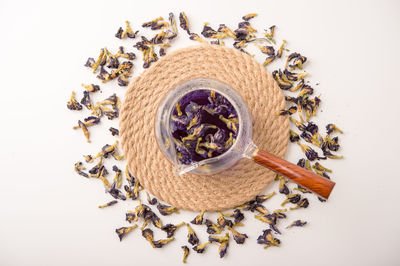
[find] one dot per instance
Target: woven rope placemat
(156, 173)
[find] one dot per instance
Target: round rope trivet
(156, 173)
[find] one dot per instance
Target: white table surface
(49, 215)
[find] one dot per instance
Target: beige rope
(226, 189)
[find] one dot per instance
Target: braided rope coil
(223, 190)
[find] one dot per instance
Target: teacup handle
(318, 184)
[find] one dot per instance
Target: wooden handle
(318, 184)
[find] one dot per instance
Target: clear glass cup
(214, 164)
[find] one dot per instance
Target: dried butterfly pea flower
(240, 44)
(247, 205)
(160, 243)
(332, 128)
(212, 228)
(73, 104)
(88, 122)
(159, 37)
(148, 24)
(291, 110)
(262, 198)
(270, 35)
(292, 198)
(246, 25)
(104, 179)
(118, 176)
(279, 213)
(162, 48)
(309, 152)
(303, 203)
(276, 243)
(262, 239)
(104, 75)
(291, 76)
(332, 156)
(149, 236)
(108, 204)
(218, 239)
(298, 223)
(280, 51)
(114, 131)
(91, 87)
(298, 86)
(119, 33)
(116, 193)
(306, 136)
(201, 248)
(208, 32)
(86, 101)
(196, 37)
(129, 177)
(170, 228)
(123, 231)
(150, 200)
(159, 25)
(90, 62)
(299, 125)
(134, 192)
(101, 61)
(268, 50)
(131, 217)
(88, 158)
(166, 210)
(237, 216)
(267, 239)
(293, 136)
(149, 56)
(312, 128)
(185, 253)
(95, 171)
(249, 16)
(305, 90)
(113, 63)
(238, 237)
(298, 61)
(260, 208)
(131, 192)
(199, 218)
(184, 23)
(222, 222)
(79, 169)
(172, 23)
(269, 60)
(128, 32)
(283, 189)
(280, 79)
(330, 143)
(270, 219)
(223, 248)
(227, 31)
(149, 215)
(84, 130)
(192, 237)
(301, 163)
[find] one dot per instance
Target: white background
(49, 215)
